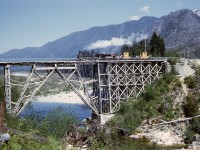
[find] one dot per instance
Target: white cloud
(106, 43)
(117, 41)
(135, 17)
(145, 9)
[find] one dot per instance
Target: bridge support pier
(7, 88)
(101, 118)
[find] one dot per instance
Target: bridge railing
(38, 60)
(57, 60)
(76, 59)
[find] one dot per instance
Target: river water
(80, 111)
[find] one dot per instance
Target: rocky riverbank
(163, 135)
(170, 133)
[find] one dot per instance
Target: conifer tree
(157, 45)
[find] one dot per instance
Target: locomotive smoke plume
(117, 41)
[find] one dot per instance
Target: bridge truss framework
(114, 81)
(121, 80)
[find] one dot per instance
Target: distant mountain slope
(180, 29)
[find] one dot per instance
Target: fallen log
(174, 121)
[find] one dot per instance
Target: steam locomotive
(93, 55)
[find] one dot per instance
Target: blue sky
(32, 23)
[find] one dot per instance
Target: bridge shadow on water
(80, 111)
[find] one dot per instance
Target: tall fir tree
(157, 45)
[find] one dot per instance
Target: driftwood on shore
(173, 122)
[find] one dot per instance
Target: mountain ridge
(180, 30)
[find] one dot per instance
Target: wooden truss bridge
(112, 80)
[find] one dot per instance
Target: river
(80, 111)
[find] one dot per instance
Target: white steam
(117, 41)
(145, 9)
(136, 17)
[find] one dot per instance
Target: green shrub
(190, 107)
(195, 125)
(129, 119)
(15, 93)
(173, 60)
(54, 124)
(168, 78)
(189, 134)
(150, 93)
(192, 129)
(190, 81)
(178, 84)
(23, 143)
(162, 86)
(172, 53)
